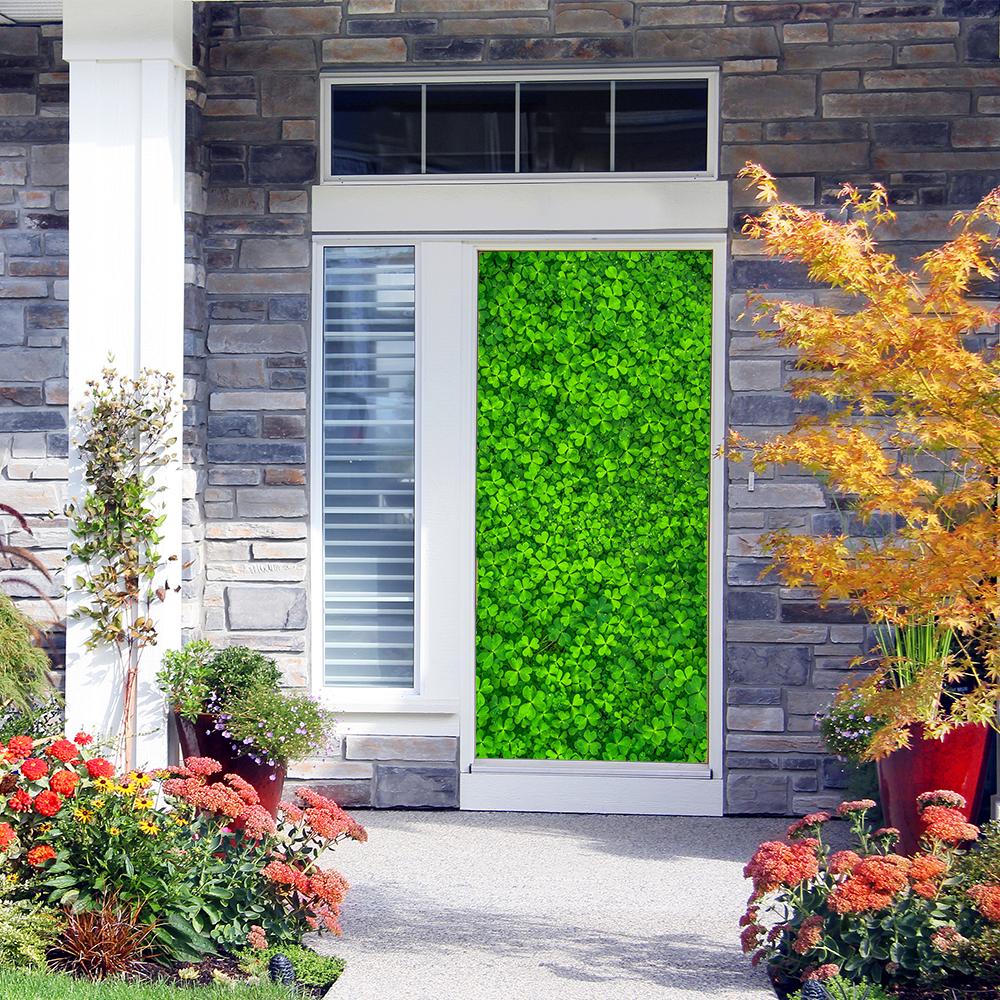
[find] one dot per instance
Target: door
(594, 442)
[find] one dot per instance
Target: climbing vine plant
(592, 505)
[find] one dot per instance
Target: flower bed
(48, 986)
(924, 926)
(148, 873)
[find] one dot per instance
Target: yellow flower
(44, 827)
(12, 878)
(83, 816)
(149, 828)
(115, 831)
(143, 780)
(98, 803)
(142, 803)
(188, 972)
(104, 784)
(180, 820)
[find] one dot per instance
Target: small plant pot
(957, 762)
(202, 739)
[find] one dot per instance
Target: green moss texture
(592, 505)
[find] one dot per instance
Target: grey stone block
(751, 605)
(347, 792)
(50, 165)
(761, 408)
(756, 718)
(757, 664)
(282, 164)
(288, 96)
(750, 794)
(274, 252)
(266, 608)
(753, 695)
(257, 452)
(228, 425)
(416, 787)
(256, 338)
(265, 501)
(422, 748)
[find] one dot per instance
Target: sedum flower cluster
(870, 913)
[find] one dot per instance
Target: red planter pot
(957, 762)
(201, 739)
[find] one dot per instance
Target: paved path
(515, 906)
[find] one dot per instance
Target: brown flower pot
(202, 739)
(957, 762)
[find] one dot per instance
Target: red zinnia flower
(37, 856)
(83, 739)
(20, 801)
(20, 747)
(47, 803)
(100, 768)
(64, 750)
(64, 782)
(34, 768)
(7, 836)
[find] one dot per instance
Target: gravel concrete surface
(519, 906)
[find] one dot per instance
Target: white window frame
(442, 701)
(518, 75)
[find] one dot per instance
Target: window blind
(368, 465)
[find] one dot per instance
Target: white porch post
(127, 62)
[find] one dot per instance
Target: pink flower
(257, 938)
(808, 825)
(858, 806)
(202, 766)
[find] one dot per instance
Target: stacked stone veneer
(904, 93)
(34, 99)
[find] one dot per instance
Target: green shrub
(27, 930)
(23, 666)
(844, 989)
(592, 504)
(311, 968)
(982, 863)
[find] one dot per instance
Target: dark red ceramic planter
(957, 762)
(201, 739)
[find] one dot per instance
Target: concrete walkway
(515, 906)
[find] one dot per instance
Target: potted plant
(228, 706)
(907, 439)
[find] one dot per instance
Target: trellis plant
(125, 437)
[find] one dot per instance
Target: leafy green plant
(848, 727)
(27, 931)
(592, 504)
(238, 687)
(311, 968)
(53, 986)
(24, 678)
(186, 677)
(839, 988)
(125, 438)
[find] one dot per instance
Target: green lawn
(49, 986)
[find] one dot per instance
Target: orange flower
(945, 825)
(7, 836)
(843, 862)
(64, 782)
(64, 750)
(37, 856)
(98, 767)
(987, 900)
(34, 768)
(872, 886)
(810, 934)
(775, 864)
(47, 803)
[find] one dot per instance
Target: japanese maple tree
(910, 433)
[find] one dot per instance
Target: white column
(127, 62)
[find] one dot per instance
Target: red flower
(47, 803)
(820, 972)
(83, 739)
(946, 825)
(64, 750)
(20, 801)
(34, 768)
(987, 900)
(243, 789)
(64, 782)
(775, 864)
(202, 766)
(808, 824)
(100, 768)
(843, 862)
(279, 872)
(859, 806)
(872, 885)
(7, 836)
(20, 747)
(37, 856)
(810, 934)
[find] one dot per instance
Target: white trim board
(600, 205)
(617, 794)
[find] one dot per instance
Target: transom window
(532, 125)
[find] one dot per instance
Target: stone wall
(34, 99)
(903, 93)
